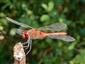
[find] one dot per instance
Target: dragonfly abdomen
(36, 34)
(56, 33)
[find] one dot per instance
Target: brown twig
(19, 54)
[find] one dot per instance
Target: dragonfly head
(25, 34)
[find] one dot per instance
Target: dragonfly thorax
(33, 33)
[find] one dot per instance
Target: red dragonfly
(40, 33)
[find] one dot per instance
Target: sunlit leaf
(3, 21)
(1, 28)
(80, 58)
(29, 12)
(44, 6)
(50, 6)
(44, 18)
(12, 31)
(2, 15)
(72, 46)
(1, 37)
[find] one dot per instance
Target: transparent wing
(54, 27)
(19, 31)
(66, 38)
(18, 23)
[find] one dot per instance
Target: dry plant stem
(19, 54)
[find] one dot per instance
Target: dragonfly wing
(66, 38)
(18, 23)
(19, 31)
(54, 27)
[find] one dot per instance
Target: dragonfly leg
(27, 45)
(30, 47)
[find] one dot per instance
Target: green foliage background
(37, 13)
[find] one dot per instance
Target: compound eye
(25, 35)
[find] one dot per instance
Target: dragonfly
(57, 31)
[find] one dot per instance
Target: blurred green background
(37, 13)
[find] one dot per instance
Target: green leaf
(44, 18)
(25, 20)
(53, 14)
(50, 6)
(44, 6)
(82, 31)
(71, 47)
(2, 15)
(12, 31)
(59, 2)
(3, 22)
(80, 58)
(29, 12)
(1, 27)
